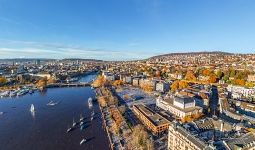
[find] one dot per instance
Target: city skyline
(126, 30)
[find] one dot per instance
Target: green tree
(226, 77)
(232, 73)
(219, 74)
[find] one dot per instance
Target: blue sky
(124, 29)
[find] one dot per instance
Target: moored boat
(69, 129)
(90, 102)
(83, 141)
(81, 117)
(74, 123)
(32, 108)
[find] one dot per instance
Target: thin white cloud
(15, 49)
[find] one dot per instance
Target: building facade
(152, 120)
(179, 106)
(181, 139)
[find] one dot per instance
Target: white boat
(74, 123)
(91, 118)
(81, 118)
(90, 102)
(83, 141)
(52, 103)
(1, 113)
(93, 113)
(68, 130)
(32, 108)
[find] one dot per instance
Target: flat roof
(154, 117)
(243, 141)
(169, 101)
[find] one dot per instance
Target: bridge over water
(78, 84)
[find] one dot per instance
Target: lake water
(19, 129)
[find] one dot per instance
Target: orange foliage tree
(205, 72)
(102, 101)
(2, 81)
(178, 85)
(240, 82)
(42, 83)
(51, 80)
(212, 78)
(117, 83)
(190, 76)
(99, 81)
(182, 84)
(175, 85)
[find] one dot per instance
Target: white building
(180, 106)
(238, 91)
(162, 87)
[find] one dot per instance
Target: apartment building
(181, 139)
(152, 120)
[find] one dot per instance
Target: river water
(46, 130)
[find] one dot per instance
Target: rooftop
(154, 117)
(245, 141)
(183, 99)
(198, 142)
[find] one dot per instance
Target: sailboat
(69, 129)
(90, 102)
(93, 113)
(81, 117)
(82, 127)
(83, 141)
(32, 108)
(74, 123)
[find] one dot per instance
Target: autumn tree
(117, 83)
(3, 81)
(140, 139)
(182, 84)
(240, 82)
(42, 83)
(232, 73)
(190, 76)
(157, 74)
(212, 78)
(219, 74)
(205, 72)
(102, 102)
(175, 85)
(99, 81)
(51, 81)
(249, 84)
(178, 85)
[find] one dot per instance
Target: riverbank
(115, 125)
